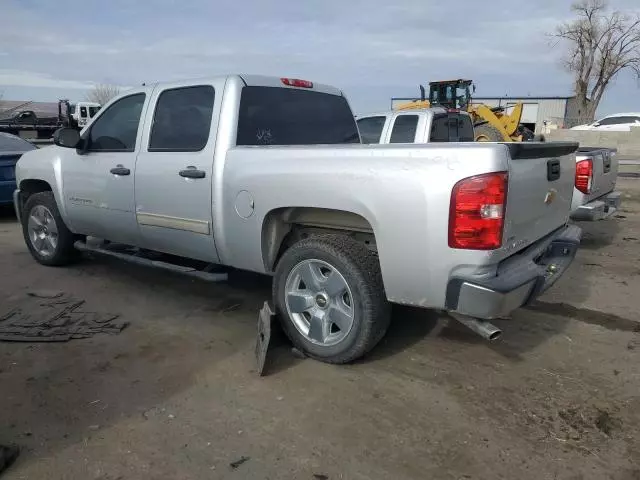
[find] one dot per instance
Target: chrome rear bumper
(519, 280)
(598, 209)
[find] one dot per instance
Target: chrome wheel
(319, 302)
(43, 231)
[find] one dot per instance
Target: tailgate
(541, 179)
(605, 171)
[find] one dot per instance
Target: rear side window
(617, 120)
(287, 116)
(404, 129)
(371, 129)
(182, 119)
(451, 128)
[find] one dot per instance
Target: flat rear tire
(330, 299)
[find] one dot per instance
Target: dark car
(11, 149)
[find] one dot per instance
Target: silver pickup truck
(594, 195)
(268, 175)
(426, 125)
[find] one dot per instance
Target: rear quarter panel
(403, 191)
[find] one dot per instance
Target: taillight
(476, 214)
(584, 175)
(296, 82)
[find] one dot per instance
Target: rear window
(371, 129)
(287, 116)
(404, 129)
(451, 127)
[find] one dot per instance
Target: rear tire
(343, 312)
(487, 133)
(47, 237)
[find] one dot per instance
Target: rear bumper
(519, 280)
(598, 209)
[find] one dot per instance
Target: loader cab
(455, 94)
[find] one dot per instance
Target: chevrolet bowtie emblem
(550, 196)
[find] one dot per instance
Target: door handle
(120, 170)
(191, 172)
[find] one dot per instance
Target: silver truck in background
(593, 198)
(269, 175)
(436, 124)
(594, 195)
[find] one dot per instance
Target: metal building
(562, 111)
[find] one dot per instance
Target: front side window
(611, 121)
(93, 111)
(371, 129)
(404, 129)
(182, 120)
(117, 128)
(290, 116)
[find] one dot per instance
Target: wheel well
(31, 186)
(283, 227)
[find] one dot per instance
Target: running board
(141, 260)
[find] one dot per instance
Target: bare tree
(102, 93)
(601, 44)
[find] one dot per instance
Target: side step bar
(133, 258)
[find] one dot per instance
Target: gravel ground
(175, 395)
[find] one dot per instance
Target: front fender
(44, 164)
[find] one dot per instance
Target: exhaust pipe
(484, 329)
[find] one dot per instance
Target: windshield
(451, 95)
(287, 116)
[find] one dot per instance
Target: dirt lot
(175, 394)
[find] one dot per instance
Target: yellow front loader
(490, 124)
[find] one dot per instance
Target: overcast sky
(372, 49)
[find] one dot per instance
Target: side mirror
(66, 137)
(595, 124)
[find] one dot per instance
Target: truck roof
(256, 81)
(405, 112)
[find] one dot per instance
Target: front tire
(47, 237)
(329, 295)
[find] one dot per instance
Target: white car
(619, 122)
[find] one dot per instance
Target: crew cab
(269, 175)
(594, 195)
(436, 124)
